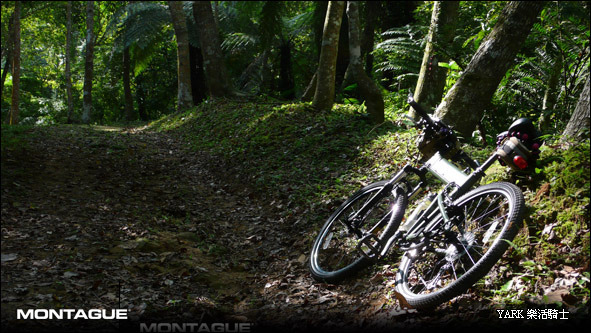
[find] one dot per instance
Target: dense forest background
(124, 55)
(178, 158)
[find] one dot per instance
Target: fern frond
(144, 23)
(251, 79)
(238, 41)
(298, 24)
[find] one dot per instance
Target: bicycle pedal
(370, 247)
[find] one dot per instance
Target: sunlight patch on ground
(108, 128)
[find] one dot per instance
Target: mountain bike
(452, 237)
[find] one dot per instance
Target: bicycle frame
(443, 169)
(451, 176)
(452, 237)
(427, 221)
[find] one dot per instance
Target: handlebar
(447, 141)
(440, 137)
(420, 110)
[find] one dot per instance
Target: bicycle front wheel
(455, 259)
(334, 255)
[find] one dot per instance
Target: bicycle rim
(334, 254)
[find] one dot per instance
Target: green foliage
(12, 137)
(42, 37)
(254, 35)
(292, 154)
(555, 237)
(37, 105)
(157, 81)
(402, 52)
(567, 174)
(476, 20)
(143, 27)
(453, 74)
(560, 38)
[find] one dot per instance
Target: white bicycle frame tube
(445, 170)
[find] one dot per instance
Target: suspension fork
(371, 246)
(386, 190)
(374, 247)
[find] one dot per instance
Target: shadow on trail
(97, 219)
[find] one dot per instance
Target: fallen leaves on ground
(136, 220)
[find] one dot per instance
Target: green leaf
(507, 286)
(351, 87)
(451, 65)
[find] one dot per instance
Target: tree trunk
(69, 61)
(578, 125)
(368, 89)
(8, 52)
(551, 94)
(286, 79)
(127, 85)
(140, 97)
(342, 52)
(88, 64)
(431, 82)
(367, 42)
(213, 59)
(16, 66)
(198, 86)
(325, 85)
(318, 18)
(185, 98)
(466, 101)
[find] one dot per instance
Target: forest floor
(108, 217)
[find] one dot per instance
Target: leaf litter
(134, 219)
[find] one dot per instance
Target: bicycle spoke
(487, 212)
(473, 212)
(339, 239)
(453, 268)
(467, 252)
(462, 247)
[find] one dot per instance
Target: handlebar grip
(420, 110)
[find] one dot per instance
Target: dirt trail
(111, 218)
(105, 218)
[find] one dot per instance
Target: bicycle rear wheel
(334, 255)
(456, 259)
